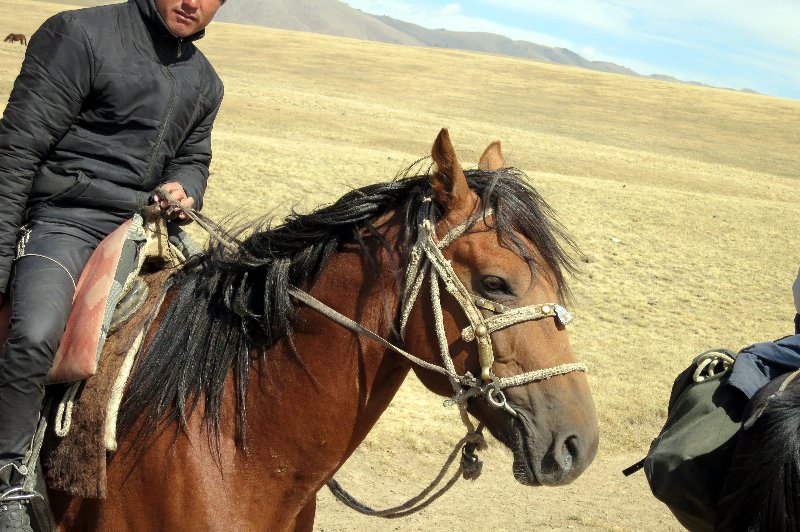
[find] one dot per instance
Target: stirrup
(16, 494)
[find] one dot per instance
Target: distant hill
(498, 44)
(330, 17)
(333, 17)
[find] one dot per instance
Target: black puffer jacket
(108, 105)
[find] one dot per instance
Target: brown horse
(246, 402)
(16, 37)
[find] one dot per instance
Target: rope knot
(476, 441)
(471, 465)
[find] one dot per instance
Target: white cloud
(450, 17)
(772, 21)
(602, 15)
(719, 42)
(451, 9)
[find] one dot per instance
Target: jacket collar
(153, 20)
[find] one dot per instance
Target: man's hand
(796, 292)
(171, 212)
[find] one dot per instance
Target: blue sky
(737, 44)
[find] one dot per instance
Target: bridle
(427, 259)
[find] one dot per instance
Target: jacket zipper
(162, 132)
(180, 48)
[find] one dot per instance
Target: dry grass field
(684, 201)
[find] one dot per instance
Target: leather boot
(14, 501)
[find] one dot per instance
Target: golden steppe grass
(683, 199)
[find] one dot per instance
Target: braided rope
(63, 420)
(540, 375)
(117, 390)
(511, 317)
(468, 468)
(416, 275)
(444, 349)
(459, 230)
(712, 364)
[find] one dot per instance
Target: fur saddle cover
(120, 293)
(76, 462)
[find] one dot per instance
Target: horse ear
(492, 158)
(450, 188)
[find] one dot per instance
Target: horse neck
(336, 386)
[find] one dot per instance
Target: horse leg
(305, 518)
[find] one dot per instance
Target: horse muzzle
(549, 458)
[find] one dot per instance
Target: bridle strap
(480, 328)
(512, 316)
(426, 257)
(347, 323)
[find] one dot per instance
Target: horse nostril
(558, 463)
(570, 452)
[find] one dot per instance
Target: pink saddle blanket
(79, 350)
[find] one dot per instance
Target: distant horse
(246, 402)
(16, 37)
(762, 490)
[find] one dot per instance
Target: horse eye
(495, 285)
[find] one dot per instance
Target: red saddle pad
(78, 352)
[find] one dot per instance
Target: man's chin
(183, 30)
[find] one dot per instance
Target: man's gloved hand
(796, 292)
(174, 189)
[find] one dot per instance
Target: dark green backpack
(689, 460)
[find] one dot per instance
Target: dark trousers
(43, 284)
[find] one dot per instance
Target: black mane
(229, 304)
(762, 491)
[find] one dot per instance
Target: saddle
(110, 291)
(122, 284)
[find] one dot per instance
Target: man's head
(187, 17)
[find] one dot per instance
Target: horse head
(502, 322)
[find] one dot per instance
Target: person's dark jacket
(108, 105)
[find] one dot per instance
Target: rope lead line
(469, 468)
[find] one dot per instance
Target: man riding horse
(111, 103)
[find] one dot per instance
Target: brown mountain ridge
(333, 17)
